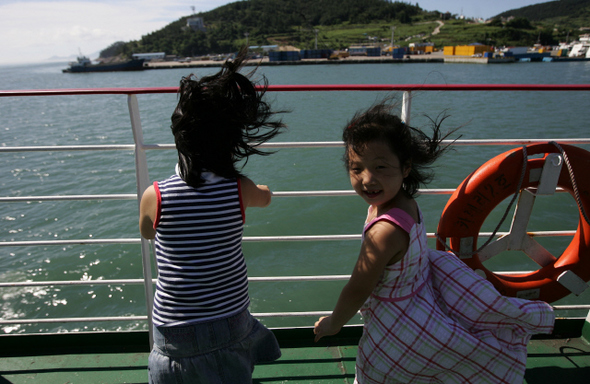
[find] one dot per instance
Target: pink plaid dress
(431, 319)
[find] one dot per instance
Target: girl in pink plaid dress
(428, 318)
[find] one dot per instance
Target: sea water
(312, 116)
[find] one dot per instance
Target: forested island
(338, 24)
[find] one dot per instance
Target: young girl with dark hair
(203, 332)
(428, 318)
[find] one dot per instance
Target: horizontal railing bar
(256, 238)
(293, 314)
(332, 144)
(431, 87)
(132, 196)
(532, 233)
(73, 319)
(303, 144)
(87, 91)
(301, 238)
(516, 141)
(471, 142)
(539, 233)
(431, 191)
(19, 284)
(55, 148)
(144, 318)
(294, 144)
(69, 242)
(313, 193)
(118, 282)
(431, 235)
(257, 315)
(126, 196)
(158, 146)
(298, 88)
(428, 191)
(298, 278)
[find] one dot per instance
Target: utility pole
(247, 34)
(392, 29)
(316, 37)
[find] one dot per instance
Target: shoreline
(433, 58)
(436, 57)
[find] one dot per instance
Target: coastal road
(437, 29)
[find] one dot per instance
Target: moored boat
(84, 64)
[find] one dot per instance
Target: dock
(436, 57)
(410, 59)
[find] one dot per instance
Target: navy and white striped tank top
(202, 273)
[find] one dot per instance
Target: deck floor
(549, 361)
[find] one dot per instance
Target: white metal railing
(430, 235)
(142, 182)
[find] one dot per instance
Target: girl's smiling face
(377, 175)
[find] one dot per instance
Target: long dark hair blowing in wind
(220, 120)
(412, 146)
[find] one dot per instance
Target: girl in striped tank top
(428, 318)
(203, 332)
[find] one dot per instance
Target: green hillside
(576, 12)
(337, 24)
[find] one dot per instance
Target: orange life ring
(493, 182)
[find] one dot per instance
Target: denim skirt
(215, 352)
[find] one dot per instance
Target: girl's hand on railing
(324, 327)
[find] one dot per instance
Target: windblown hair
(412, 146)
(220, 120)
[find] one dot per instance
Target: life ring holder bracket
(517, 238)
(543, 179)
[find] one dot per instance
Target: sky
(42, 30)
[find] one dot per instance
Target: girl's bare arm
(384, 244)
(147, 213)
(254, 195)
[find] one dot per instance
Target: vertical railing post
(406, 107)
(142, 176)
(586, 328)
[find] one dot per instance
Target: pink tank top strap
(396, 216)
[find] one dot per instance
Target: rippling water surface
(320, 116)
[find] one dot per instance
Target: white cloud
(38, 30)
